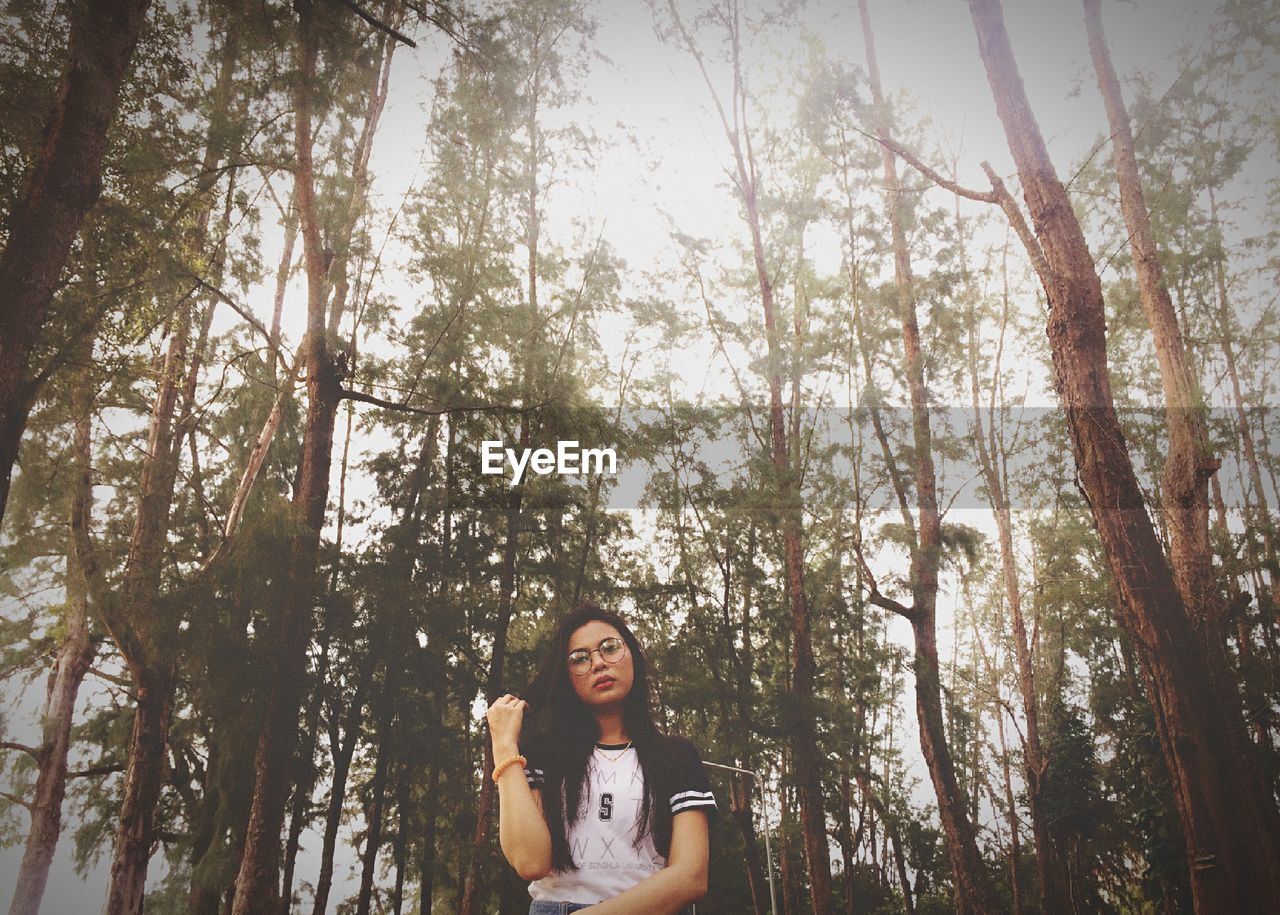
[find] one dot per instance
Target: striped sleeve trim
(535, 777)
(687, 800)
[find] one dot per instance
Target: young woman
(605, 811)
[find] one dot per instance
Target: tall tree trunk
(400, 847)
(144, 778)
(74, 657)
(427, 863)
(304, 780)
(145, 637)
(494, 680)
(289, 630)
(1189, 462)
(1262, 516)
(1035, 761)
(378, 792)
(790, 889)
(973, 887)
(141, 622)
(807, 759)
(342, 751)
(64, 183)
(1229, 818)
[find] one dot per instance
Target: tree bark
(1229, 818)
(1190, 461)
(145, 776)
(64, 184)
(75, 654)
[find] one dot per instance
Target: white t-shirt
(602, 841)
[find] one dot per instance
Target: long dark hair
(562, 735)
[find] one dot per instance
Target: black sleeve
(533, 771)
(690, 787)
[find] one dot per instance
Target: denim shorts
(547, 907)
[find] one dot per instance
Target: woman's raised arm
(522, 829)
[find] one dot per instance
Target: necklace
(613, 758)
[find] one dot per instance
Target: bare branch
(244, 313)
(873, 589)
(106, 769)
(362, 397)
(22, 747)
(1019, 223)
(121, 682)
(999, 195)
(933, 175)
(14, 799)
(438, 20)
(378, 23)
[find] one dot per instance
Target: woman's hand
(506, 719)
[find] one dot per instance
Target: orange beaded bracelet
(506, 764)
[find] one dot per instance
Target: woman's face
(602, 682)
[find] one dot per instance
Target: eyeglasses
(612, 650)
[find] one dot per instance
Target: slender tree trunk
(75, 654)
(304, 782)
(427, 863)
(289, 631)
(63, 185)
(1035, 761)
(400, 847)
(1229, 818)
(900, 864)
(973, 887)
(807, 759)
(1262, 515)
(740, 794)
(790, 891)
(1190, 461)
(143, 626)
(1015, 841)
(845, 836)
(378, 793)
(144, 778)
(343, 750)
(146, 639)
(379, 77)
(494, 680)
(283, 272)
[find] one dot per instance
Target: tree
(973, 888)
(782, 445)
(1217, 789)
(63, 184)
